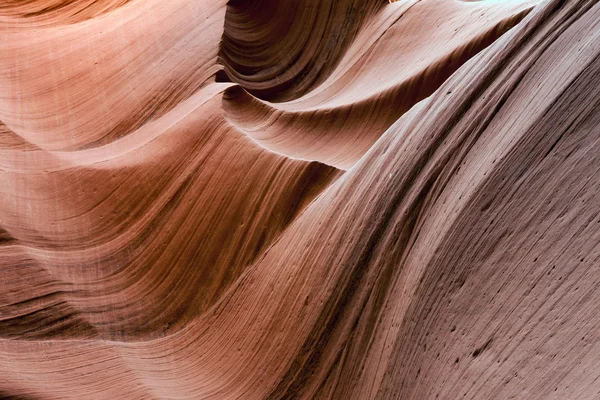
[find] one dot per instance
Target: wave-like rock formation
(331, 199)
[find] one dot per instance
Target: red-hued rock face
(299, 199)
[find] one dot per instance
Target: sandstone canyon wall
(329, 199)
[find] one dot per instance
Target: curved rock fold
(299, 199)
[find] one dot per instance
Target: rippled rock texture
(276, 199)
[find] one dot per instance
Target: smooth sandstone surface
(263, 199)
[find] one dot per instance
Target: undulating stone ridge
(264, 199)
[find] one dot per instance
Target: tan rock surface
(299, 199)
